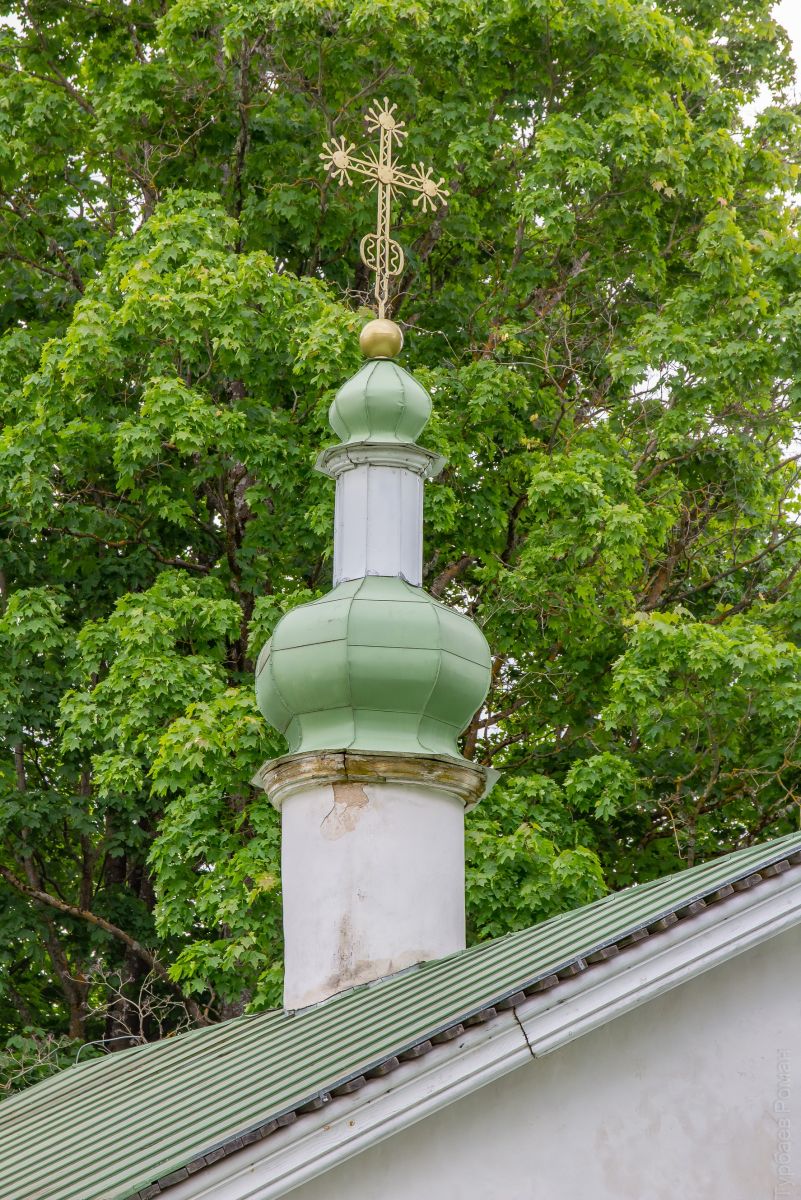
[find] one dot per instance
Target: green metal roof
(111, 1128)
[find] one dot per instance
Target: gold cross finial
(379, 251)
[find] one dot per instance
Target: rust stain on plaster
(349, 800)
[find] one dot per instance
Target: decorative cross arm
(379, 251)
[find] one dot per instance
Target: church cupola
(371, 686)
(377, 664)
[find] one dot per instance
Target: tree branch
(83, 914)
(449, 574)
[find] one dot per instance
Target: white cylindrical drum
(378, 526)
(373, 881)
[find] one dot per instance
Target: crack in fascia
(525, 1035)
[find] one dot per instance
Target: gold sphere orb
(381, 339)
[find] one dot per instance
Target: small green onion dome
(380, 403)
(374, 665)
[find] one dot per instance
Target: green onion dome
(374, 665)
(380, 403)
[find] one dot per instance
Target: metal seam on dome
(399, 712)
(373, 646)
(365, 389)
(271, 672)
(423, 714)
(404, 402)
(354, 596)
(405, 712)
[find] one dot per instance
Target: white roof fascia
(320, 1141)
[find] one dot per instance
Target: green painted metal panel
(374, 665)
(380, 403)
(106, 1129)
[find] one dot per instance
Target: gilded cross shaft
(379, 251)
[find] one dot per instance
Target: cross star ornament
(379, 251)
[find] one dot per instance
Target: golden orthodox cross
(379, 251)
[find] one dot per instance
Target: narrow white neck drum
(378, 522)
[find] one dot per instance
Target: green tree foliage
(607, 316)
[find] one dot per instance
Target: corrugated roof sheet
(110, 1128)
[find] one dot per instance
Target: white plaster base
(373, 881)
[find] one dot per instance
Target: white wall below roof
(693, 1096)
(373, 881)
